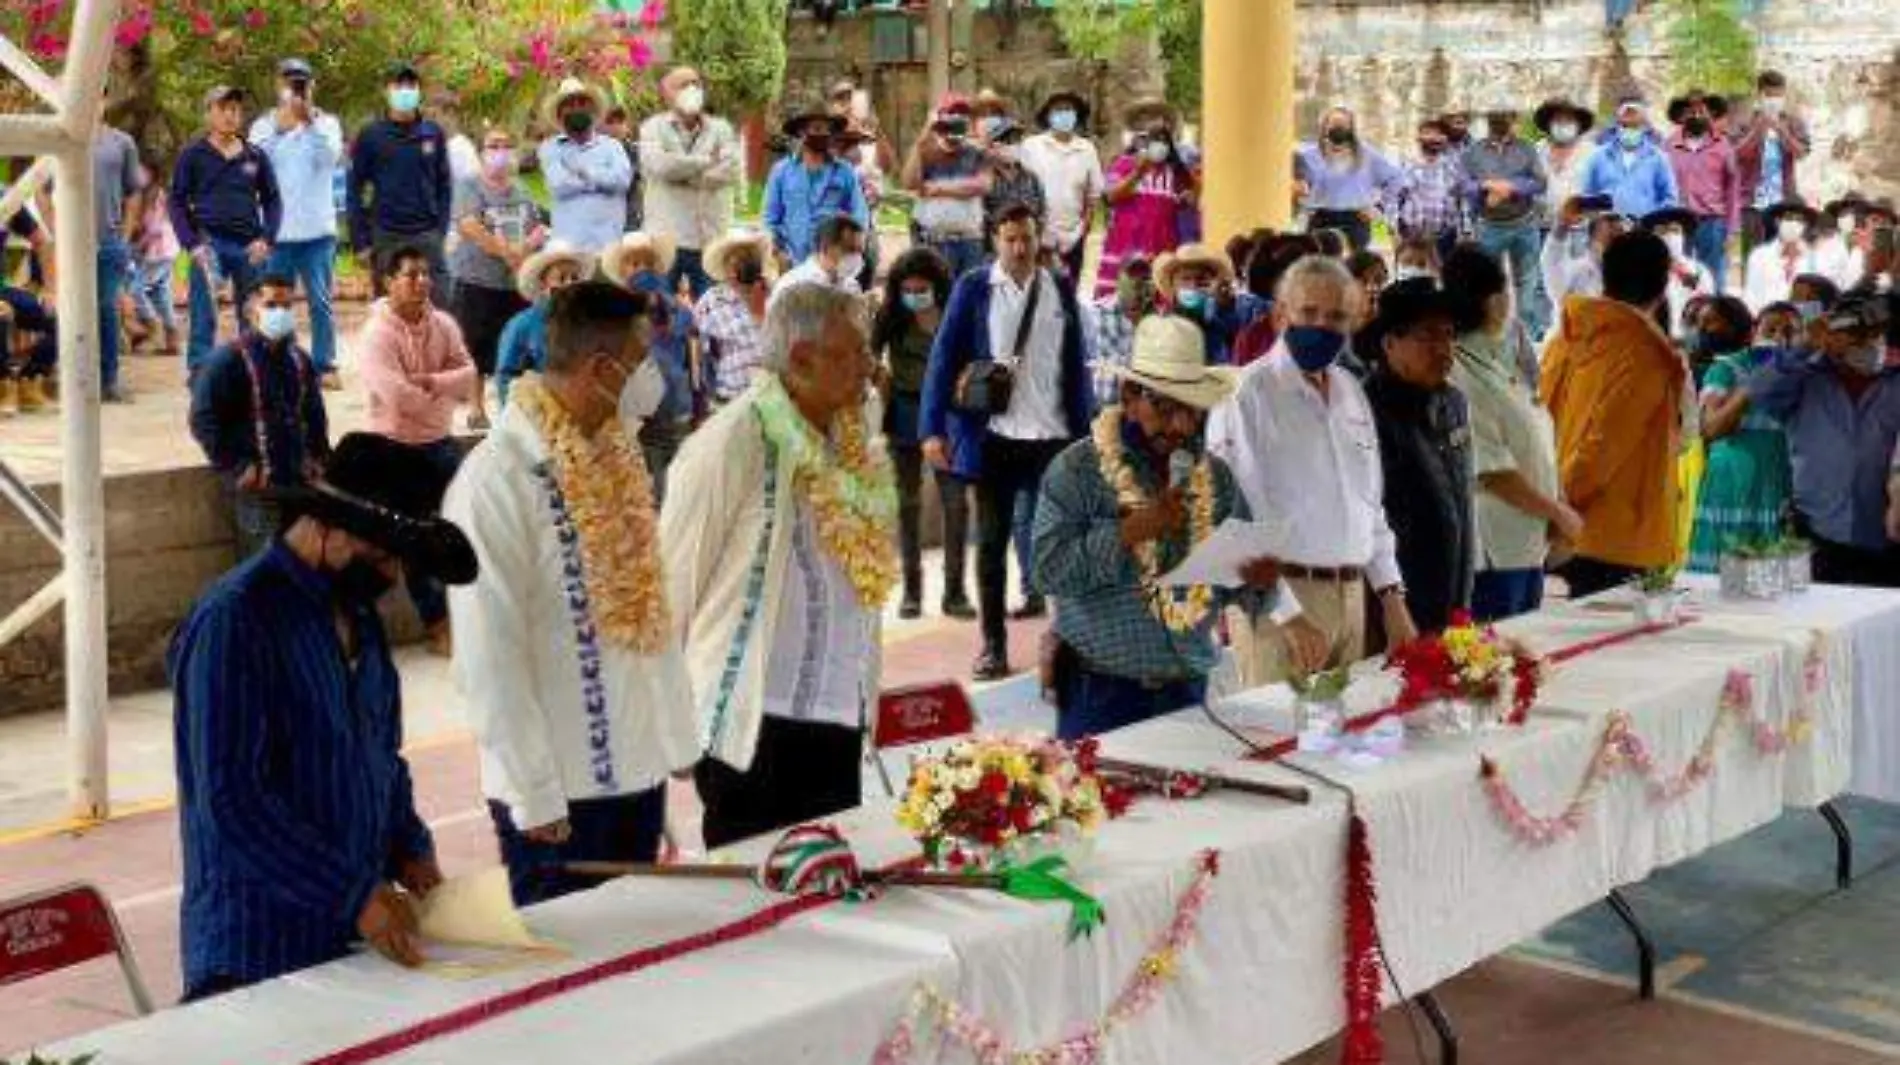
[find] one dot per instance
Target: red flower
(639, 53)
(201, 24)
(994, 784)
(652, 14)
(1021, 818)
(1116, 800)
(254, 18)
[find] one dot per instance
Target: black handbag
(984, 387)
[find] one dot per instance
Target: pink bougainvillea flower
(639, 53)
(201, 23)
(541, 53)
(46, 45)
(653, 14)
(133, 29)
(254, 18)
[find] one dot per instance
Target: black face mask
(748, 273)
(818, 143)
(1339, 136)
(1499, 130)
(1696, 126)
(577, 122)
(360, 583)
(1431, 147)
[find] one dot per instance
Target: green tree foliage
(1178, 32)
(1710, 46)
(738, 46)
(1097, 31)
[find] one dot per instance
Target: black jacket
(1425, 445)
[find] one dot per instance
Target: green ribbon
(1042, 881)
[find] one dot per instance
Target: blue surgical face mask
(992, 124)
(1192, 300)
(1809, 310)
(1632, 138)
(917, 302)
(405, 98)
(1062, 121)
(276, 323)
(1313, 347)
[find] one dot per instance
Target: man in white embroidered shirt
(1300, 439)
(564, 650)
(780, 543)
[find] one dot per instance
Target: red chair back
(61, 928)
(920, 714)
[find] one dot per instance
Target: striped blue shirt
(294, 803)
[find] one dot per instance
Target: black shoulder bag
(984, 387)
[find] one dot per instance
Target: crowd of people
(666, 562)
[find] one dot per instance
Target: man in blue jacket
(225, 209)
(401, 187)
(1630, 166)
(1023, 317)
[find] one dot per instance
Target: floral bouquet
(979, 802)
(1470, 667)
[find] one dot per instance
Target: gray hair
(1314, 270)
(799, 315)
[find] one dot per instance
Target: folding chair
(921, 713)
(58, 929)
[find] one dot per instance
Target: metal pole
(40, 604)
(82, 490)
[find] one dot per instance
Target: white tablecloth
(1260, 982)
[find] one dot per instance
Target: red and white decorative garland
(1158, 967)
(1622, 748)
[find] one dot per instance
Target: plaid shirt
(733, 340)
(1425, 203)
(1111, 342)
(1101, 608)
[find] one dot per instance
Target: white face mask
(1674, 243)
(645, 389)
(1791, 230)
(1772, 105)
(850, 267)
(1409, 272)
(1563, 132)
(1868, 359)
(691, 100)
(1157, 151)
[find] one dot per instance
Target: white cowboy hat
(1170, 264)
(567, 90)
(1171, 359)
(718, 258)
(531, 278)
(613, 261)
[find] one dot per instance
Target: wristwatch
(1391, 591)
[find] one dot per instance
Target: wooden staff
(1292, 793)
(707, 871)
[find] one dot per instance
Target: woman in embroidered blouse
(906, 326)
(1150, 189)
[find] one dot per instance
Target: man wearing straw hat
(524, 342)
(588, 174)
(731, 315)
(294, 802)
(1070, 168)
(661, 402)
(565, 652)
(1121, 508)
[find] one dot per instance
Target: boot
(32, 395)
(170, 350)
(441, 641)
(9, 397)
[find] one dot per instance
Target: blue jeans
(152, 294)
(230, 261)
(1094, 703)
(31, 315)
(429, 596)
(689, 264)
(1710, 248)
(1498, 594)
(625, 828)
(1519, 246)
(114, 259)
(313, 264)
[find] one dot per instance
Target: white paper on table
(471, 928)
(1218, 559)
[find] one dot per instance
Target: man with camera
(950, 177)
(305, 144)
(1005, 392)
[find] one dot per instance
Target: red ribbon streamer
(645, 958)
(1363, 1045)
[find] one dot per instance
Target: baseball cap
(1859, 312)
(220, 93)
(295, 70)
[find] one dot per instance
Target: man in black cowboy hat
(300, 829)
(810, 185)
(1070, 168)
(1708, 178)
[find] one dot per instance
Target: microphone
(1180, 468)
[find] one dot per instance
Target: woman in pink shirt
(417, 371)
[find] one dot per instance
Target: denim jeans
(152, 294)
(1710, 248)
(962, 255)
(1094, 703)
(31, 315)
(1519, 246)
(429, 596)
(231, 261)
(1498, 594)
(255, 517)
(625, 828)
(690, 265)
(113, 259)
(313, 264)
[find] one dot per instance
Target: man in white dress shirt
(1300, 439)
(564, 652)
(1064, 159)
(836, 260)
(781, 623)
(1786, 255)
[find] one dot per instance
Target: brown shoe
(33, 395)
(9, 397)
(441, 640)
(333, 382)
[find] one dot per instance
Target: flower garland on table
(604, 492)
(1622, 748)
(849, 485)
(1160, 966)
(1179, 614)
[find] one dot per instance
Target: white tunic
(547, 732)
(816, 670)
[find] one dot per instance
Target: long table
(1261, 980)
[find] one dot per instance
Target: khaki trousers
(1338, 608)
